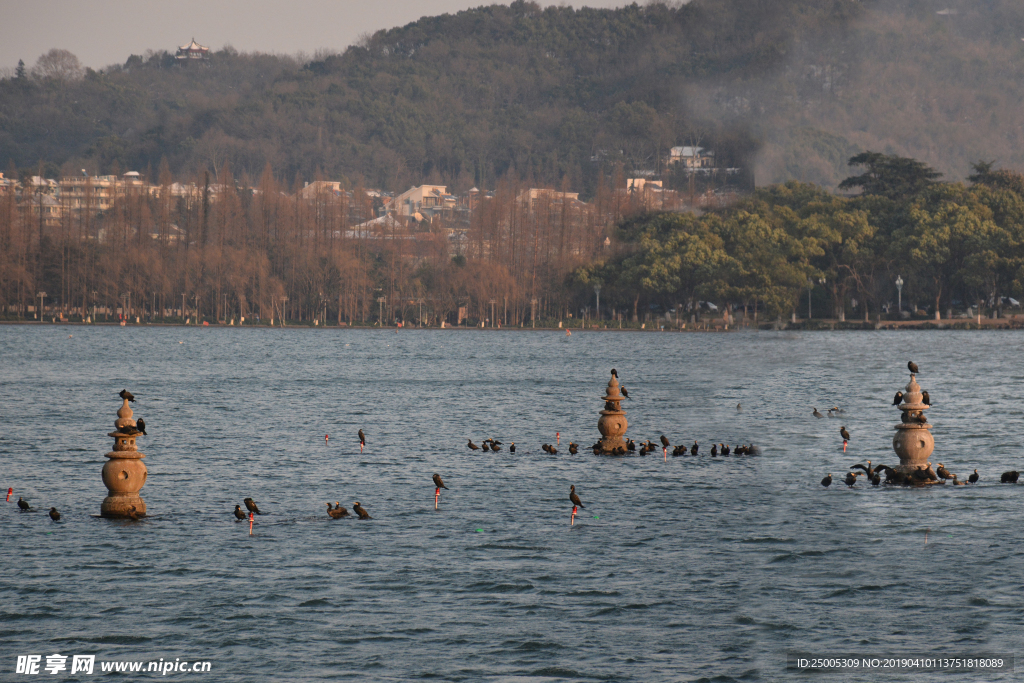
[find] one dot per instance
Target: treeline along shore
(906, 247)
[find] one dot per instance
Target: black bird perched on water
(54, 515)
(630, 445)
(512, 447)
(816, 413)
(495, 446)
(624, 392)
(925, 398)
(851, 478)
(843, 433)
(827, 481)
(472, 446)
(912, 366)
(23, 504)
(552, 450)
(714, 449)
(875, 479)
(694, 448)
(438, 482)
(361, 511)
(545, 447)
(943, 472)
(664, 441)
(725, 449)
(867, 470)
(336, 512)
(241, 515)
(973, 478)
(898, 398)
(1007, 478)
(141, 424)
(250, 505)
(127, 394)
(574, 448)
(573, 497)
(362, 438)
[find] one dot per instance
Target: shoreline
(816, 325)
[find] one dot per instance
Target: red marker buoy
(326, 437)
(664, 449)
(844, 445)
(250, 524)
(558, 438)
(573, 522)
(10, 490)
(437, 494)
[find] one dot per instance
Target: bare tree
(58, 65)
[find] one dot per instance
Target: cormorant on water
(574, 448)
(545, 447)
(512, 447)
(336, 512)
(238, 512)
(472, 446)
(912, 366)
(1007, 478)
(141, 424)
(573, 497)
(875, 479)
(851, 478)
(694, 448)
(739, 407)
(250, 505)
(714, 449)
(495, 446)
(925, 398)
(973, 478)
(127, 394)
(362, 438)
(631, 445)
(23, 504)
(552, 450)
(725, 449)
(664, 441)
(867, 470)
(363, 514)
(845, 434)
(624, 392)
(943, 472)
(957, 482)
(438, 482)
(827, 481)
(54, 515)
(898, 398)
(816, 413)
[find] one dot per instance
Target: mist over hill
(788, 88)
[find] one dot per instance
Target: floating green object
(596, 517)
(479, 531)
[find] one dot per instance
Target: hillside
(790, 88)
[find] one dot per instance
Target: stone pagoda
(124, 472)
(612, 423)
(913, 442)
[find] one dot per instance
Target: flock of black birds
(918, 477)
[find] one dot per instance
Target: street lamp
(899, 294)
(597, 291)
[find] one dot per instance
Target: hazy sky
(101, 32)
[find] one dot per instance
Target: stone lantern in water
(124, 473)
(913, 442)
(612, 422)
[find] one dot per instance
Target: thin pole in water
(437, 494)
(327, 438)
(558, 438)
(573, 522)
(250, 524)
(844, 445)
(10, 490)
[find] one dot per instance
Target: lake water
(691, 569)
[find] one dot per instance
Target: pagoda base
(120, 505)
(610, 445)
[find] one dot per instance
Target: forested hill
(554, 95)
